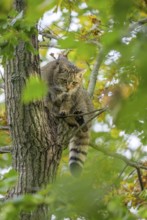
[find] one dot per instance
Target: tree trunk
(36, 153)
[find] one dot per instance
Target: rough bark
(33, 137)
(36, 153)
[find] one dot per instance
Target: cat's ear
(81, 72)
(62, 56)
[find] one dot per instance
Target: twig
(125, 167)
(80, 114)
(18, 17)
(137, 24)
(48, 35)
(5, 149)
(83, 125)
(49, 46)
(119, 156)
(1, 75)
(140, 179)
(142, 22)
(94, 73)
(88, 64)
(6, 128)
(95, 115)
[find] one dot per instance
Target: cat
(66, 97)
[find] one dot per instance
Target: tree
(114, 50)
(30, 125)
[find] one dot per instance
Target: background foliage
(113, 34)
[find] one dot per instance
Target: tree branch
(49, 46)
(48, 35)
(1, 76)
(80, 114)
(119, 156)
(140, 179)
(83, 125)
(137, 24)
(142, 22)
(18, 17)
(94, 73)
(6, 128)
(5, 149)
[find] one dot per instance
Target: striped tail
(78, 148)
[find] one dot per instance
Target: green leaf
(69, 42)
(121, 9)
(5, 6)
(36, 9)
(35, 89)
(8, 180)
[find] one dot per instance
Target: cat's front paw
(63, 113)
(79, 118)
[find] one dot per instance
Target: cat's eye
(74, 83)
(63, 80)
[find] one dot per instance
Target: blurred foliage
(7, 180)
(108, 188)
(35, 89)
(87, 197)
(5, 160)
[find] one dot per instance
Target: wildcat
(66, 97)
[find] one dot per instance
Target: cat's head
(69, 76)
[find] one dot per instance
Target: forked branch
(127, 161)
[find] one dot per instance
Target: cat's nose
(68, 88)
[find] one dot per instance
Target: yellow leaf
(43, 52)
(114, 133)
